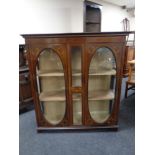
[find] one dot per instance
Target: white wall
(60, 16)
(132, 23)
(50, 16)
(112, 16)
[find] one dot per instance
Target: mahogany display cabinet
(76, 79)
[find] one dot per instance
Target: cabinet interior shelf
(93, 112)
(93, 96)
(76, 73)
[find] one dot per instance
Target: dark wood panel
(25, 94)
(92, 17)
(79, 128)
(57, 36)
(112, 39)
(92, 27)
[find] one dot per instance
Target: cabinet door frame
(118, 52)
(33, 53)
(79, 89)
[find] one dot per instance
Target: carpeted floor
(121, 142)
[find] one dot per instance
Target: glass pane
(101, 84)
(76, 65)
(51, 86)
(77, 109)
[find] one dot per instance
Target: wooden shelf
(55, 96)
(103, 112)
(50, 73)
(76, 73)
(60, 96)
(101, 95)
(96, 73)
(52, 96)
(105, 72)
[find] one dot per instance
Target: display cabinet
(76, 79)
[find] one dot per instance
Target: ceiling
(126, 3)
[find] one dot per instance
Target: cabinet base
(78, 128)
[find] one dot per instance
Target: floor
(121, 142)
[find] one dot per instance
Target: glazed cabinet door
(49, 74)
(76, 83)
(103, 75)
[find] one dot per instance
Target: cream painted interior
(102, 61)
(54, 108)
(77, 109)
(76, 54)
(54, 111)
